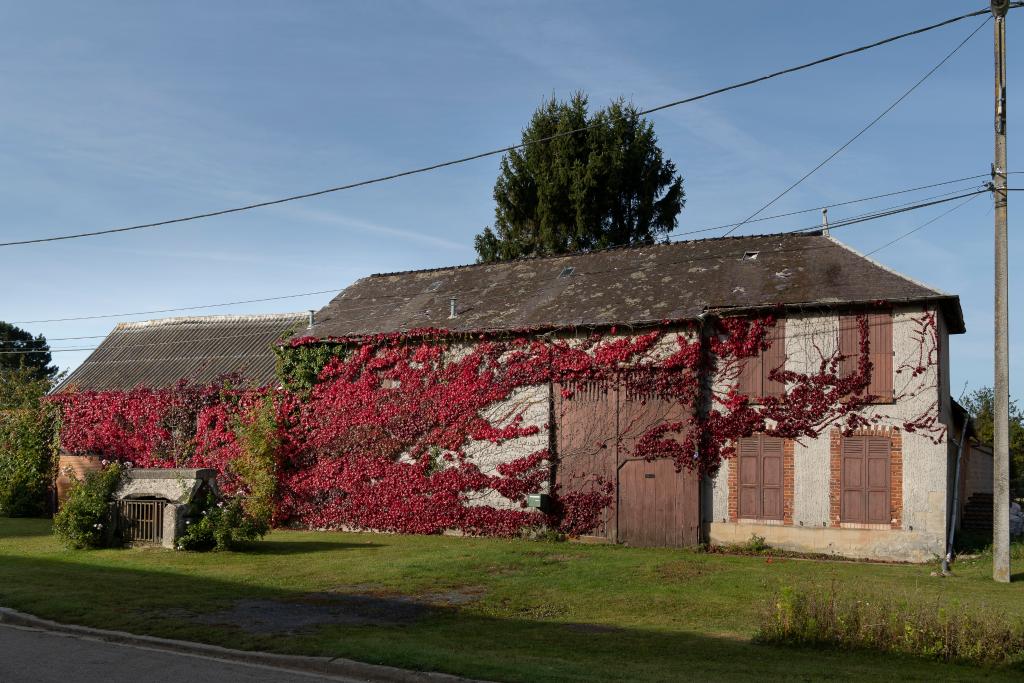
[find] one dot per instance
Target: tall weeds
(831, 619)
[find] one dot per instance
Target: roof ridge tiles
(621, 247)
(209, 319)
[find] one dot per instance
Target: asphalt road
(34, 656)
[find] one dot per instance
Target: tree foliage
(980, 406)
(37, 357)
(27, 443)
(608, 185)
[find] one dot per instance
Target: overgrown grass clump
(945, 633)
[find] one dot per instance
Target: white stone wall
(532, 403)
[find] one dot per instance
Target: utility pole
(1001, 403)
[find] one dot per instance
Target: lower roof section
(160, 353)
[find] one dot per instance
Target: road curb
(336, 666)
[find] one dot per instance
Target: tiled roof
(633, 285)
(158, 353)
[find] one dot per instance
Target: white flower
(128, 464)
(104, 462)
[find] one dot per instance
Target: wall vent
(750, 255)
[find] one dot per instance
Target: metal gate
(141, 521)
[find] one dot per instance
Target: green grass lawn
(502, 610)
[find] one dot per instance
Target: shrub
(256, 464)
(27, 455)
(245, 516)
(221, 525)
(825, 618)
(82, 520)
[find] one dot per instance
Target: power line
(248, 335)
(840, 223)
(502, 150)
(846, 203)
(863, 130)
(924, 225)
(181, 308)
(890, 212)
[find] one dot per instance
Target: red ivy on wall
(385, 438)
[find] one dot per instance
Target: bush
(256, 465)
(82, 520)
(27, 454)
(26, 461)
(221, 525)
(825, 618)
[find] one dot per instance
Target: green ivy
(298, 367)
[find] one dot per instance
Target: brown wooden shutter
(880, 352)
(759, 478)
(771, 477)
(851, 480)
(880, 326)
(748, 497)
(754, 371)
(774, 358)
(750, 376)
(865, 480)
(849, 345)
(877, 478)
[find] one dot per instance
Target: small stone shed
(153, 506)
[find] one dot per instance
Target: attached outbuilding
(156, 354)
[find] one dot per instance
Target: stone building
(883, 492)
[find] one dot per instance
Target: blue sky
(121, 113)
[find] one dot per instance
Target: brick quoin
(895, 472)
(835, 464)
(734, 505)
(788, 448)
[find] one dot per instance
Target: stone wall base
(874, 544)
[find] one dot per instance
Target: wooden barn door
(597, 430)
(657, 506)
(586, 442)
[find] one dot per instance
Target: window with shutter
(865, 496)
(760, 480)
(880, 341)
(754, 371)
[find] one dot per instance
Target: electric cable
(504, 150)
